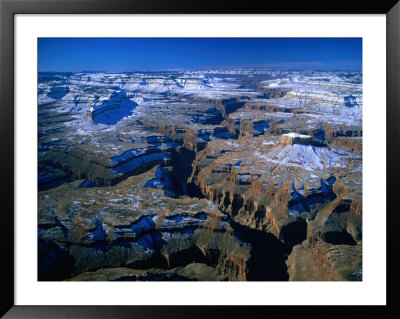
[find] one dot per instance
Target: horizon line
(207, 69)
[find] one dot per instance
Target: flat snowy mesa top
(295, 138)
(293, 135)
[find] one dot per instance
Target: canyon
(211, 175)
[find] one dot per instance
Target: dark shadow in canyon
(268, 254)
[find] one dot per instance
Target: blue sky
(152, 54)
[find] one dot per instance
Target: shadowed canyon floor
(202, 175)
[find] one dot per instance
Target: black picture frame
(8, 8)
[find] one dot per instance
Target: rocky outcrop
(114, 109)
(333, 248)
(267, 184)
(106, 171)
(288, 187)
(129, 225)
(251, 122)
(271, 93)
(49, 177)
(296, 138)
(325, 262)
(113, 160)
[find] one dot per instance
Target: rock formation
(208, 175)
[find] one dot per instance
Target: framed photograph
(175, 159)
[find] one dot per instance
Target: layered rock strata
(125, 161)
(135, 226)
